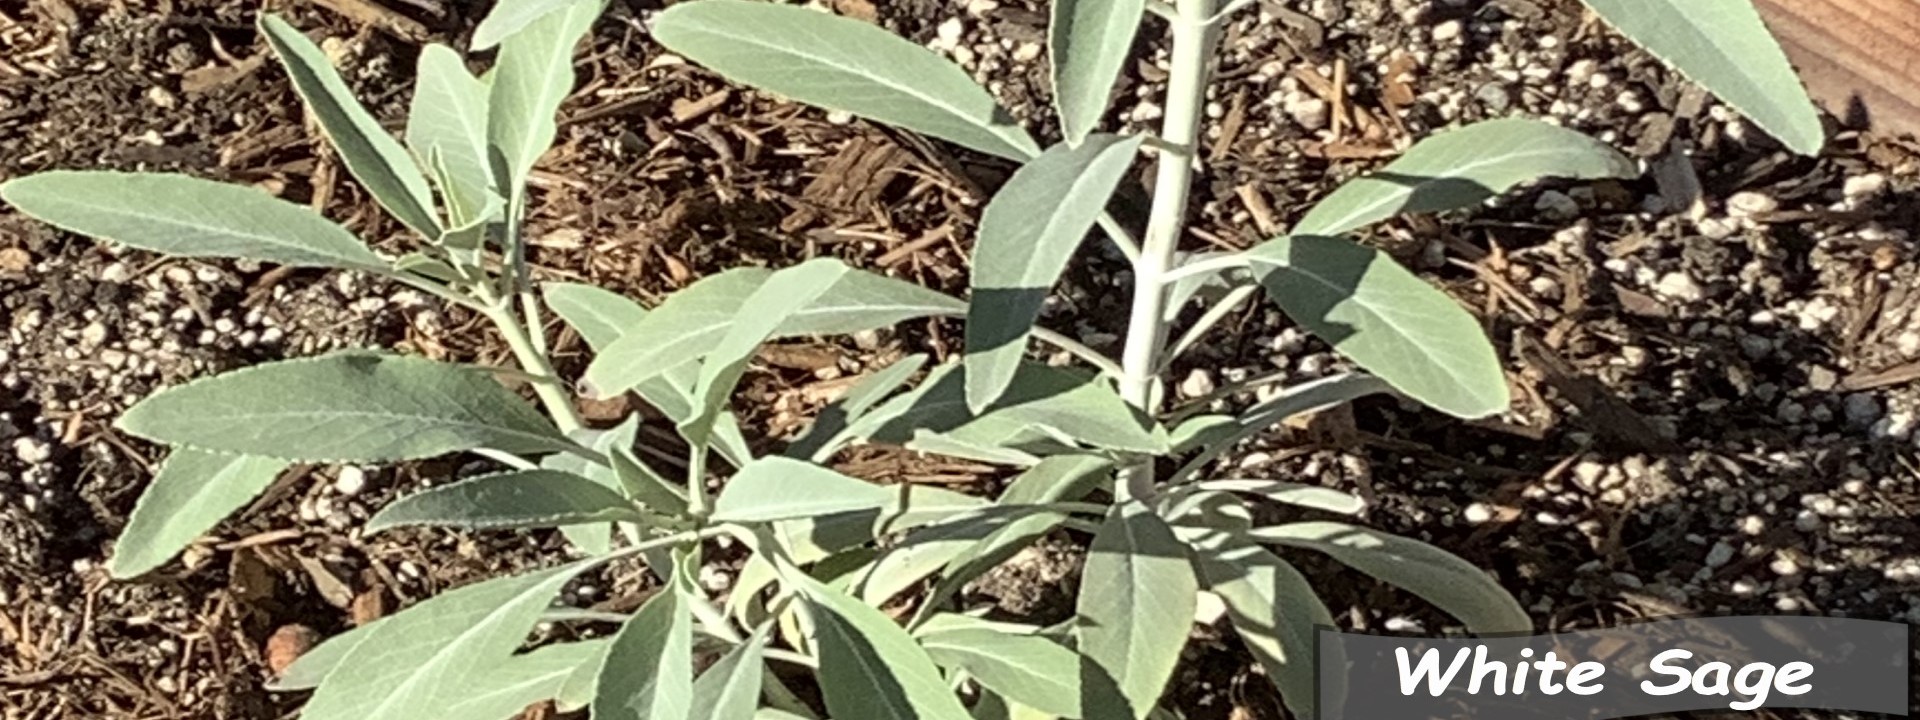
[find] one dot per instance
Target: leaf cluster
(827, 550)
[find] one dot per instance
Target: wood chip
(15, 260)
(379, 16)
(685, 110)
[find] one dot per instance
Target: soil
(1712, 366)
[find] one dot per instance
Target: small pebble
(350, 481)
(1748, 204)
(1719, 555)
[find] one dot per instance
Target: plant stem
(1193, 43)
(551, 391)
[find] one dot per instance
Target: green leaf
(513, 499)
(344, 407)
(531, 75)
(428, 267)
(1032, 670)
(448, 121)
(188, 217)
(505, 689)
(1724, 46)
(1386, 320)
(1215, 437)
(1061, 478)
(760, 317)
(730, 690)
(691, 322)
(1088, 42)
(649, 670)
(594, 538)
(1136, 607)
(925, 550)
(870, 668)
(1027, 234)
(578, 689)
(1437, 576)
(842, 64)
(602, 317)
(1290, 493)
(779, 488)
(827, 434)
(511, 16)
(192, 492)
(1275, 611)
(1042, 401)
(1462, 167)
(377, 160)
(420, 662)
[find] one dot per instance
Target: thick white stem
(1194, 37)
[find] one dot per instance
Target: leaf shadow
(1012, 312)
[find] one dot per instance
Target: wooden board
(1860, 58)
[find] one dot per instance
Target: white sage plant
(826, 549)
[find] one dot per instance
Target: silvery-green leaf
(1088, 42)
(1204, 509)
(188, 217)
(532, 73)
(447, 121)
(1136, 570)
(1033, 670)
(691, 322)
(1386, 320)
(602, 317)
(1724, 46)
(1055, 402)
(513, 499)
(648, 671)
(1291, 493)
(810, 539)
(344, 407)
(428, 267)
(1200, 431)
(1437, 576)
(761, 315)
(594, 538)
(506, 689)
(577, 690)
(313, 666)
(944, 622)
(1027, 234)
(870, 668)
(827, 433)
(1215, 437)
(420, 662)
(508, 17)
(921, 552)
(779, 488)
(190, 494)
(1209, 287)
(1009, 450)
(474, 227)
(1275, 611)
(730, 689)
(842, 64)
(1462, 167)
(378, 161)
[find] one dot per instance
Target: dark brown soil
(1763, 405)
